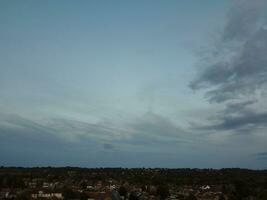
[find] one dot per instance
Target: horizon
(174, 84)
(129, 168)
(132, 168)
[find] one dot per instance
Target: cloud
(242, 75)
(80, 130)
(152, 128)
(25, 142)
(239, 68)
(152, 140)
(238, 107)
(15, 125)
(44, 135)
(108, 146)
(58, 133)
(145, 140)
(262, 155)
(245, 123)
(243, 19)
(234, 74)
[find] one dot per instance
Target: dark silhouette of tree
(123, 191)
(163, 191)
(242, 189)
(83, 185)
(191, 197)
(22, 196)
(114, 195)
(221, 197)
(69, 194)
(136, 196)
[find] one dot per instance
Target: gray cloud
(262, 155)
(243, 19)
(235, 74)
(238, 107)
(32, 143)
(15, 125)
(151, 140)
(242, 75)
(58, 134)
(156, 129)
(108, 146)
(240, 69)
(82, 129)
(43, 134)
(246, 122)
(25, 142)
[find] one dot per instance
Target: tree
(163, 191)
(123, 191)
(221, 197)
(191, 197)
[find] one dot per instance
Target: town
(132, 183)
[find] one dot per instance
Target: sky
(150, 83)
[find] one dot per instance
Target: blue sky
(133, 83)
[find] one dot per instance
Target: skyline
(133, 83)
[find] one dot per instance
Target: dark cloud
(41, 133)
(19, 135)
(242, 75)
(234, 110)
(13, 126)
(243, 19)
(108, 146)
(262, 155)
(26, 142)
(245, 123)
(240, 68)
(235, 73)
(238, 107)
(238, 116)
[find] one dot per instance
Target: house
(205, 187)
(47, 195)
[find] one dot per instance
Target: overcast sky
(177, 83)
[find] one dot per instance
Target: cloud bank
(233, 76)
(235, 73)
(237, 66)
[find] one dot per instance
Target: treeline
(236, 183)
(141, 175)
